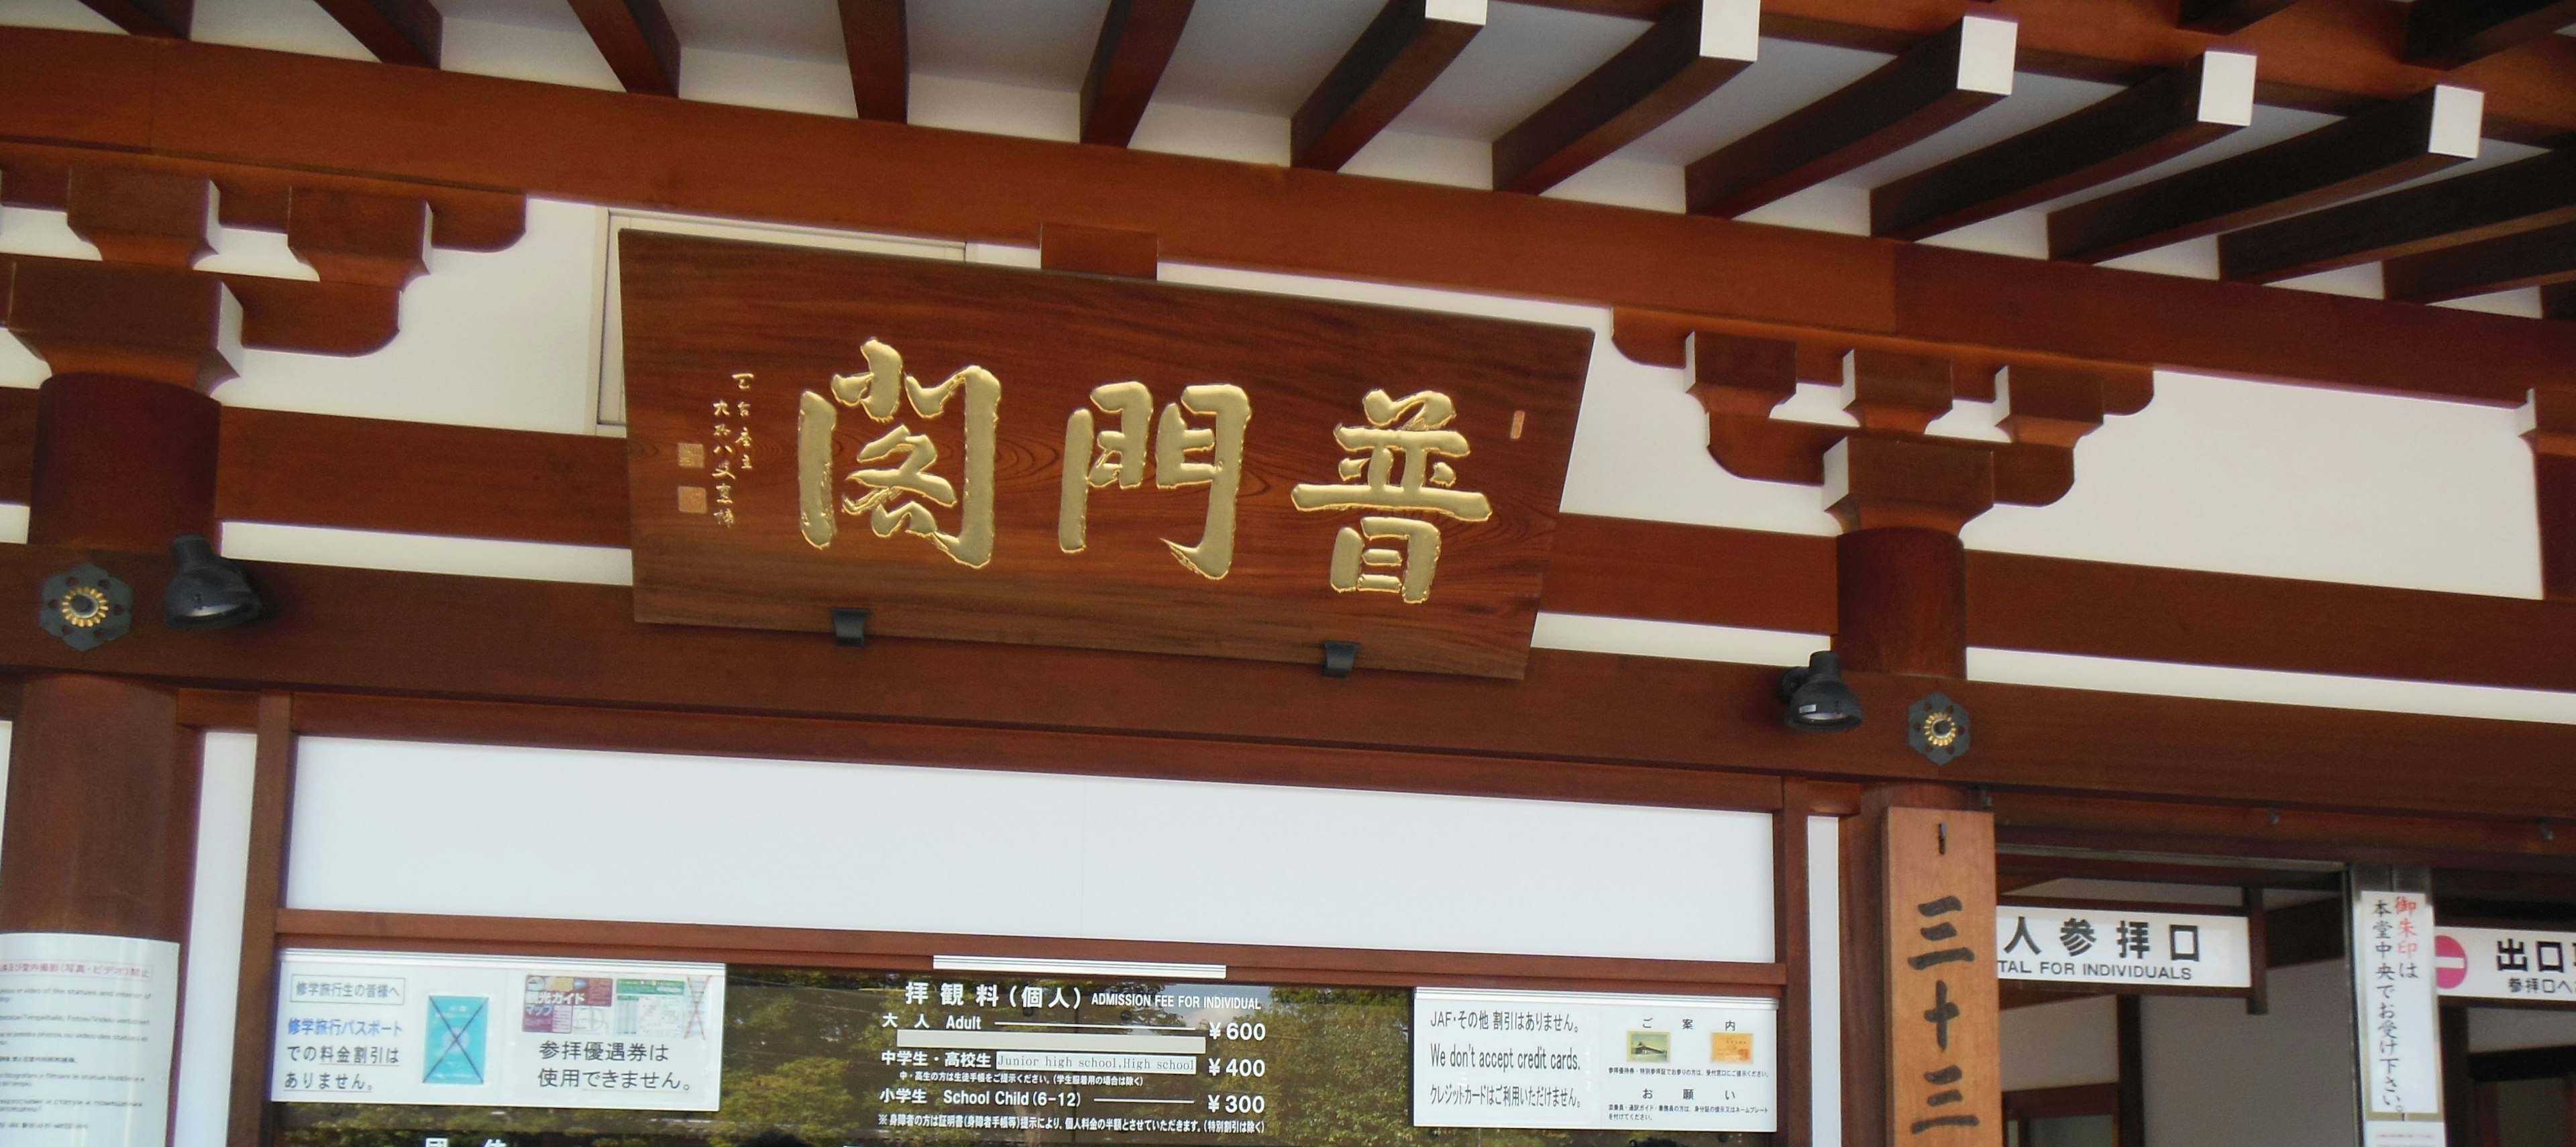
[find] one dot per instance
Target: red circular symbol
(2450, 962)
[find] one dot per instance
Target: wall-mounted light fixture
(206, 591)
(1815, 700)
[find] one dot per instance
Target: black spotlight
(206, 591)
(1815, 700)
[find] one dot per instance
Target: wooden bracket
(157, 323)
(1099, 250)
(141, 215)
(358, 237)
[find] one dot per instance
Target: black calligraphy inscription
(1944, 1068)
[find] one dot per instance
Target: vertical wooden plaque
(1944, 1058)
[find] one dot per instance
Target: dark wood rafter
(2411, 137)
(1136, 42)
(636, 39)
(2558, 301)
(246, 108)
(875, 35)
(2525, 195)
(1936, 83)
(397, 31)
(2550, 422)
(2532, 259)
(2225, 16)
(2449, 33)
(1407, 47)
(2128, 132)
(1692, 49)
(165, 18)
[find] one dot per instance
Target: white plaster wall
(387, 827)
(203, 1097)
(2216, 1077)
(2062, 1044)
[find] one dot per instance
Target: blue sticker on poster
(456, 1037)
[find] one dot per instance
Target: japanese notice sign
(2395, 1012)
(2525, 965)
(1945, 1058)
(991, 454)
(364, 1027)
(87, 1027)
(2080, 945)
(1586, 1061)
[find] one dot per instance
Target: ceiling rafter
(2533, 259)
(2126, 133)
(397, 31)
(636, 39)
(1934, 84)
(875, 35)
(2390, 144)
(1136, 42)
(2525, 195)
(2449, 33)
(2558, 301)
(165, 18)
(1403, 50)
(1696, 46)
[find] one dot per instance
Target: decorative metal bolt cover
(85, 607)
(1937, 727)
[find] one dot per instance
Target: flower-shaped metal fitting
(85, 606)
(1937, 727)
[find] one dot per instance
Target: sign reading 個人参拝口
(995, 454)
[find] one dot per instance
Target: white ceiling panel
(2035, 100)
(1787, 77)
(787, 29)
(1026, 43)
(1525, 57)
(1258, 55)
(554, 15)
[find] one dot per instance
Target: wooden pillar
(1901, 572)
(1867, 1032)
(102, 814)
(121, 463)
(1795, 1070)
(2459, 1092)
(2129, 1127)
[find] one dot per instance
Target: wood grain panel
(1944, 1028)
(247, 106)
(701, 315)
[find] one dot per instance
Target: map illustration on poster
(442, 1030)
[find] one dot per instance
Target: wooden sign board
(1944, 1018)
(993, 454)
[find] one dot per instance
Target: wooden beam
(263, 895)
(163, 18)
(874, 34)
(2224, 16)
(1693, 48)
(1934, 84)
(250, 108)
(2532, 259)
(2449, 33)
(397, 31)
(561, 643)
(2525, 195)
(2389, 145)
(1136, 41)
(2128, 132)
(1407, 47)
(2129, 1123)
(636, 39)
(2558, 301)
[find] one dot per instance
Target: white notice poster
(2080, 945)
(2397, 1018)
(86, 1030)
(1580, 1060)
(368, 1027)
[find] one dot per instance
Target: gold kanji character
(899, 496)
(1413, 430)
(1095, 458)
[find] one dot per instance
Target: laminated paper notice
(87, 1025)
(361, 1027)
(1580, 1060)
